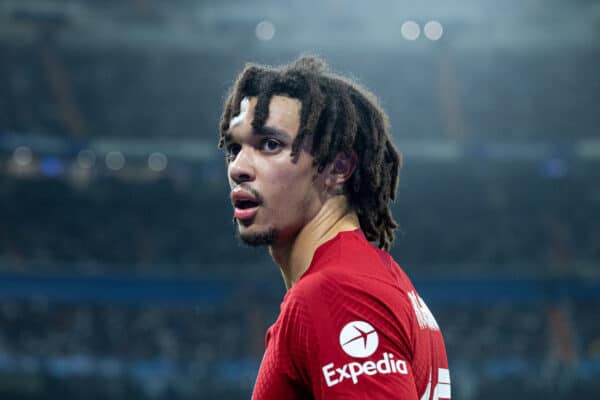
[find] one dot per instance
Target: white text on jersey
(424, 316)
(387, 365)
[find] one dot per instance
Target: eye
(232, 150)
(270, 145)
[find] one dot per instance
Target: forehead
(284, 114)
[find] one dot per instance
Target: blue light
(553, 168)
(51, 166)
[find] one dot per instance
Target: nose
(241, 169)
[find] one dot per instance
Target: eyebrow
(262, 131)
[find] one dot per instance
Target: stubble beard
(255, 239)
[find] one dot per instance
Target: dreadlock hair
(341, 116)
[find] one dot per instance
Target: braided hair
(340, 116)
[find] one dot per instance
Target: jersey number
(441, 389)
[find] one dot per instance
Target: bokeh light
(157, 162)
(86, 159)
(265, 30)
(115, 160)
(51, 166)
(410, 30)
(433, 30)
(22, 156)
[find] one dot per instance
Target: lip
(245, 213)
(238, 194)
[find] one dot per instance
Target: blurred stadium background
(120, 277)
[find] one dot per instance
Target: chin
(256, 238)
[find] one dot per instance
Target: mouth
(245, 210)
(245, 205)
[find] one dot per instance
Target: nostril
(244, 177)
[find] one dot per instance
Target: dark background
(120, 274)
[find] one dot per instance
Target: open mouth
(245, 209)
(245, 204)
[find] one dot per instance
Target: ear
(341, 169)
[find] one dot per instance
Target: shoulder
(331, 298)
(322, 318)
(353, 270)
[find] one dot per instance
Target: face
(273, 194)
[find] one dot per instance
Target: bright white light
(157, 162)
(22, 156)
(433, 30)
(115, 160)
(410, 30)
(86, 159)
(265, 30)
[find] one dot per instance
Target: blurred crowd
(184, 352)
(116, 227)
(496, 222)
(152, 350)
(153, 74)
(502, 96)
(464, 223)
(460, 221)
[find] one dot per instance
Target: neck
(295, 256)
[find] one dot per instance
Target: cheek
(294, 193)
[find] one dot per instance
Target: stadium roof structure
(153, 70)
(291, 25)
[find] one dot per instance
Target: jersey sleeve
(344, 343)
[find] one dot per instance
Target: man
(312, 171)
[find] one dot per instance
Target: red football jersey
(353, 327)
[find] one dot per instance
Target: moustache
(247, 188)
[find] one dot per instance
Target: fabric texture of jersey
(353, 327)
